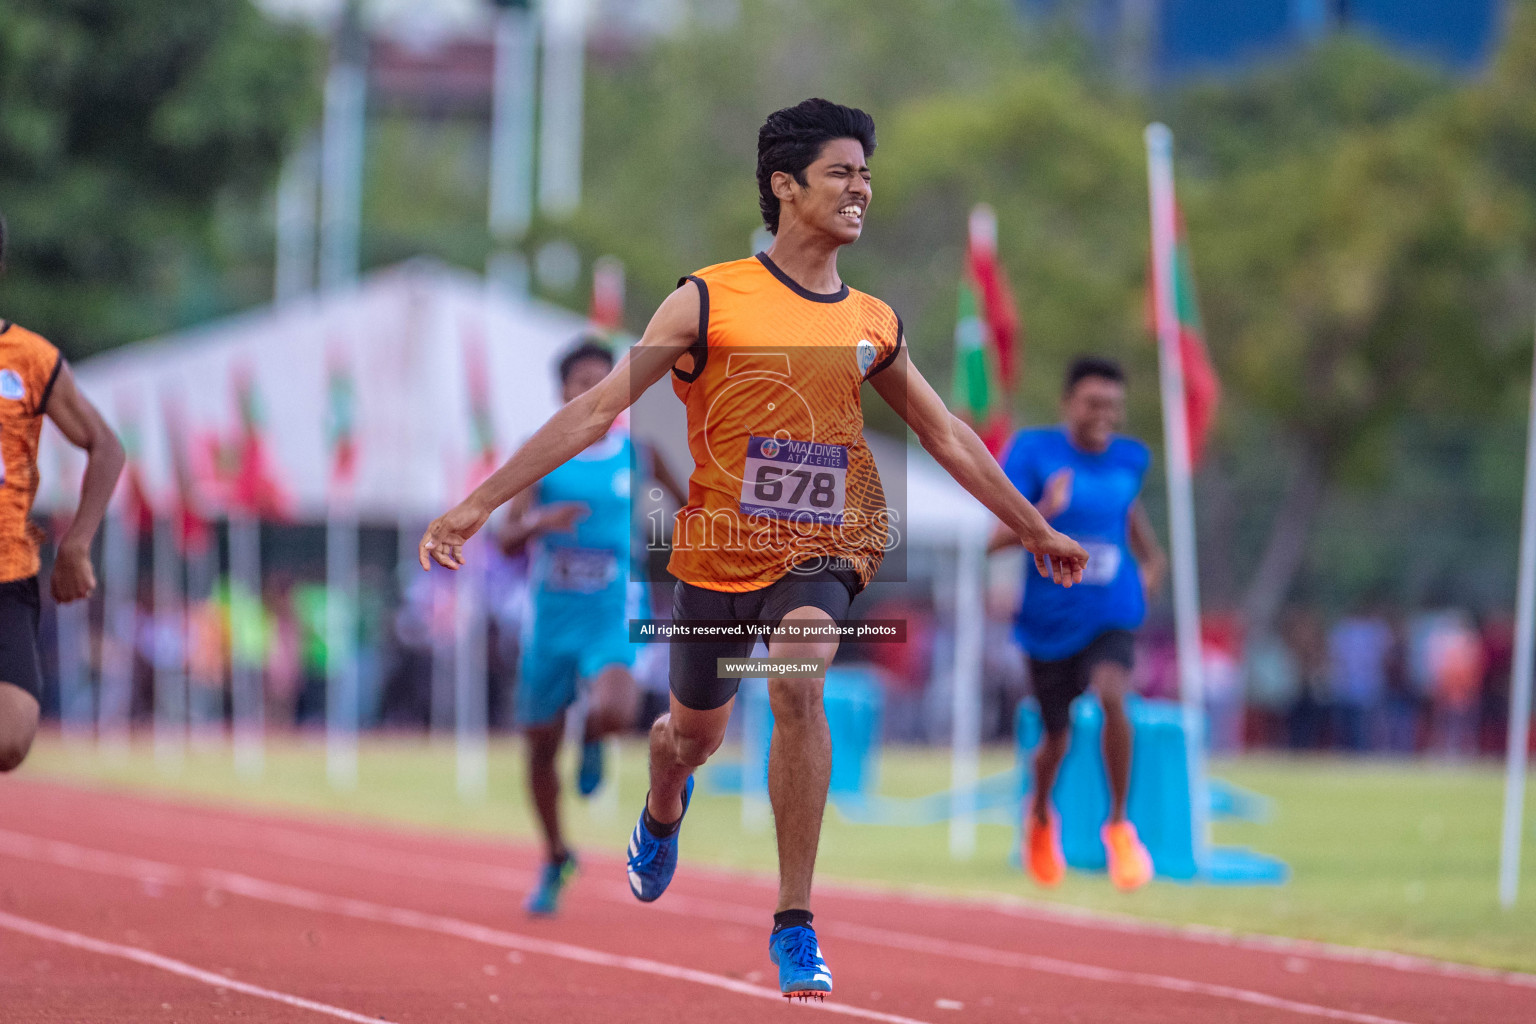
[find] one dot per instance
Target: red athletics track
(122, 908)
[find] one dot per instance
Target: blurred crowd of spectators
(1376, 679)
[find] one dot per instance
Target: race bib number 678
(799, 480)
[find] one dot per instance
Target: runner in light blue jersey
(1086, 480)
(576, 523)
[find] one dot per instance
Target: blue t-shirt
(1055, 622)
(581, 575)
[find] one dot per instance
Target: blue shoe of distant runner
(545, 900)
(652, 860)
(591, 774)
(803, 974)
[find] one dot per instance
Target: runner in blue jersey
(1085, 479)
(577, 525)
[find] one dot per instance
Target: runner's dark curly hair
(791, 140)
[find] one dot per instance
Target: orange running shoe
(1130, 865)
(1042, 851)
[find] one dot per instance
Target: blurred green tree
(138, 145)
(981, 111)
(1355, 250)
(1357, 261)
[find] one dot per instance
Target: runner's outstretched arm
(80, 422)
(571, 430)
(956, 447)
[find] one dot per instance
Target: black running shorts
(695, 683)
(1058, 683)
(19, 611)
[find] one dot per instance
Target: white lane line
(293, 841)
(1088, 972)
(287, 895)
(423, 867)
(69, 855)
(891, 939)
(1023, 908)
(48, 933)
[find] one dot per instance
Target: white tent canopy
(411, 335)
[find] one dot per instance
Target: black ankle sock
(791, 919)
(655, 827)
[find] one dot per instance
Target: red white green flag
(254, 486)
(482, 427)
(341, 420)
(138, 510)
(986, 328)
(1202, 389)
(607, 310)
(193, 533)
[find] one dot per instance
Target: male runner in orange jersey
(35, 381)
(786, 516)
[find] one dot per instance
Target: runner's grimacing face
(1093, 410)
(584, 376)
(837, 191)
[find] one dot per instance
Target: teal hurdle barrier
(1159, 801)
(854, 700)
(855, 706)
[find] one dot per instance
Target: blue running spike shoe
(591, 774)
(545, 900)
(803, 974)
(652, 860)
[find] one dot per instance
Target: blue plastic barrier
(1160, 798)
(855, 703)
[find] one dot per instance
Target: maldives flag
(254, 487)
(482, 427)
(193, 534)
(341, 420)
(138, 510)
(986, 327)
(607, 311)
(1202, 390)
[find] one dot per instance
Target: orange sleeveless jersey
(28, 367)
(775, 426)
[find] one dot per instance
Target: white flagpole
(469, 694)
(970, 622)
(965, 724)
(294, 275)
(560, 126)
(205, 724)
(247, 613)
(75, 710)
(169, 633)
(342, 537)
(120, 557)
(443, 603)
(512, 118)
(341, 669)
(341, 158)
(1517, 755)
(1181, 501)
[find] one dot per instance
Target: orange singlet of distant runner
(29, 366)
(781, 473)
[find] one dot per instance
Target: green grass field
(1392, 855)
